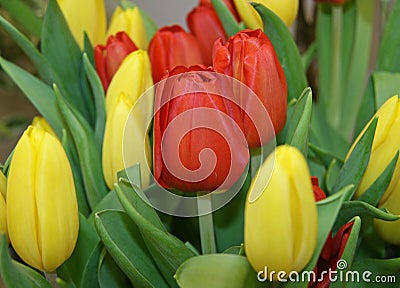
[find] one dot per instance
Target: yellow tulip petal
(3, 185)
(41, 123)
(129, 20)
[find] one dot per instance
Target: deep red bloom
(250, 57)
(109, 57)
(172, 46)
(198, 140)
(330, 255)
(318, 193)
(204, 23)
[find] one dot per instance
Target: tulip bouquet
(171, 158)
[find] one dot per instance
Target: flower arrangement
(166, 157)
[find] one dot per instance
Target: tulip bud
(319, 194)
(109, 57)
(85, 16)
(172, 46)
(124, 128)
(198, 142)
(40, 122)
(132, 78)
(385, 145)
(3, 209)
(130, 21)
(204, 18)
(285, 9)
(280, 221)
(250, 57)
(42, 210)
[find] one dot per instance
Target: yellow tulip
(280, 228)
(133, 78)
(125, 143)
(41, 123)
(42, 210)
(285, 9)
(129, 20)
(87, 15)
(3, 216)
(385, 145)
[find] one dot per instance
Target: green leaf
(231, 26)
(389, 53)
(386, 85)
(332, 174)
(116, 230)
(15, 274)
(375, 192)
(89, 156)
(308, 56)
(109, 274)
(349, 252)
(373, 268)
(149, 25)
(24, 15)
(99, 102)
(299, 123)
(286, 49)
(351, 209)
(173, 252)
(328, 209)
(217, 270)
(41, 64)
(109, 202)
(356, 73)
(40, 95)
(355, 166)
(60, 49)
(89, 275)
(79, 266)
(367, 109)
(325, 156)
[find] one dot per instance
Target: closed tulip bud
(250, 57)
(198, 142)
(130, 21)
(109, 57)
(285, 9)
(204, 18)
(132, 78)
(172, 46)
(85, 16)
(40, 122)
(385, 145)
(3, 209)
(42, 210)
(123, 128)
(280, 222)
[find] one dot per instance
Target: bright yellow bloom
(42, 210)
(133, 78)
(129, 20)
(3, 214)
(125, 142)
(285, 9)
(41, 123)
(280, 228)
(385, 145)
(87, 15)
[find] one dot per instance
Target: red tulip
(198, 141)
(204, 23)
(172, 46)
(109, 57)
(330, 255)
(319, 194)
(250, 57)
(229, 4)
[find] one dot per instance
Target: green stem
(336, 67)
(206, 223)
